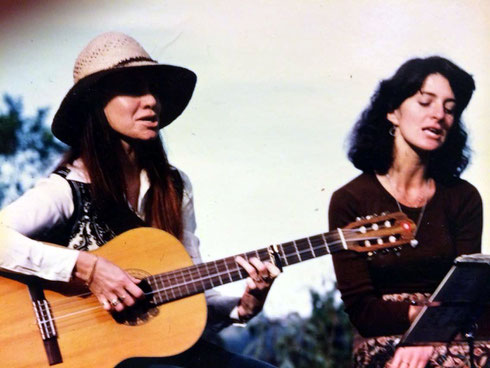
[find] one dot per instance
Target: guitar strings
(173, 277)
(195, 275)
(178, 278)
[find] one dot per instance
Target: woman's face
(132, 110)
(424, 119)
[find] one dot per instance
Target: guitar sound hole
(143, 310)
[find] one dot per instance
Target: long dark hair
(102, 153)
(371, 145)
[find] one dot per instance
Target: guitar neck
(196, 279)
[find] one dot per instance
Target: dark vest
(90, 227)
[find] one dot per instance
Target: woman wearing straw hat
(115, 177)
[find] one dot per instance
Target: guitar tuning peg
(392, 238)
(387, 223)
(384, 213)
(367, 243)
(380, 241)
(375, 226)
(358, 218)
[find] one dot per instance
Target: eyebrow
(434, 95)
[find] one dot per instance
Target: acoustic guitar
(52, 323)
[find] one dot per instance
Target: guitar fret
(217, 273)
(191, 280)
(290, 251)
(210, 279)
(161, 289)
(239, 269)
(319, 246)
(284, 258)
(200, 277)
(304, 247)
(157, 297)
(223, 270)
(171, 289)
(185, 283)
(311, 247)
(327, 247)
(297, 252)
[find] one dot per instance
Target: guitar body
(89, 336)
(85, 335)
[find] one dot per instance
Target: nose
(149, 100)
(438, 111)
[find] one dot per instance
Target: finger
(103, 300)
(260, 267)
(395, 362)
(126, 299)
(115, 303)
(251, 283)
(252, 272)
(134, 290)
(134, 279)
(273, 270)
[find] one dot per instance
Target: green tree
(322, 340)
(27, 148)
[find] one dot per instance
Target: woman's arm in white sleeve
(49, 203)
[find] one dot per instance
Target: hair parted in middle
(370, 142)
(100, 148)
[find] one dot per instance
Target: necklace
(414, 242)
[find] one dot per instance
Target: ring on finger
(121, 298)
(114, 302)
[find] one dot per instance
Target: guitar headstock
(374, 233)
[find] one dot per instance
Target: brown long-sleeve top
(451, 225)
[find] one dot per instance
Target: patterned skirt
(376, 352)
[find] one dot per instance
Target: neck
(130, 165)
(409, 167)
(407, 179)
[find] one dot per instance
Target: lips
(150, 120)
(433, 132)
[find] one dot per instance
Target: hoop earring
(391, 131)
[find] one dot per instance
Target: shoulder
(460, 190)
(459, 196)
(359, 187)
(76, 171)
(186, 182)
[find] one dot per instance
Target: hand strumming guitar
(113, 287)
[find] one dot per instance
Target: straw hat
(112, 53)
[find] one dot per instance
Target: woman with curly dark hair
(411, 145)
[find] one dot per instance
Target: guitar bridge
(45, 322)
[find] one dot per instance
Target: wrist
(85, 267)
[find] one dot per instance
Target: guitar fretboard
(196, 279)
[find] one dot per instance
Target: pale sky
(280, 84)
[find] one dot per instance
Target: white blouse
(50, 202)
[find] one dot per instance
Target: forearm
(23, 255)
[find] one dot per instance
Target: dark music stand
(454, 310)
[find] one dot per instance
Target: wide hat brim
(173, 86)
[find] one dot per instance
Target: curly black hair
(371, 145)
